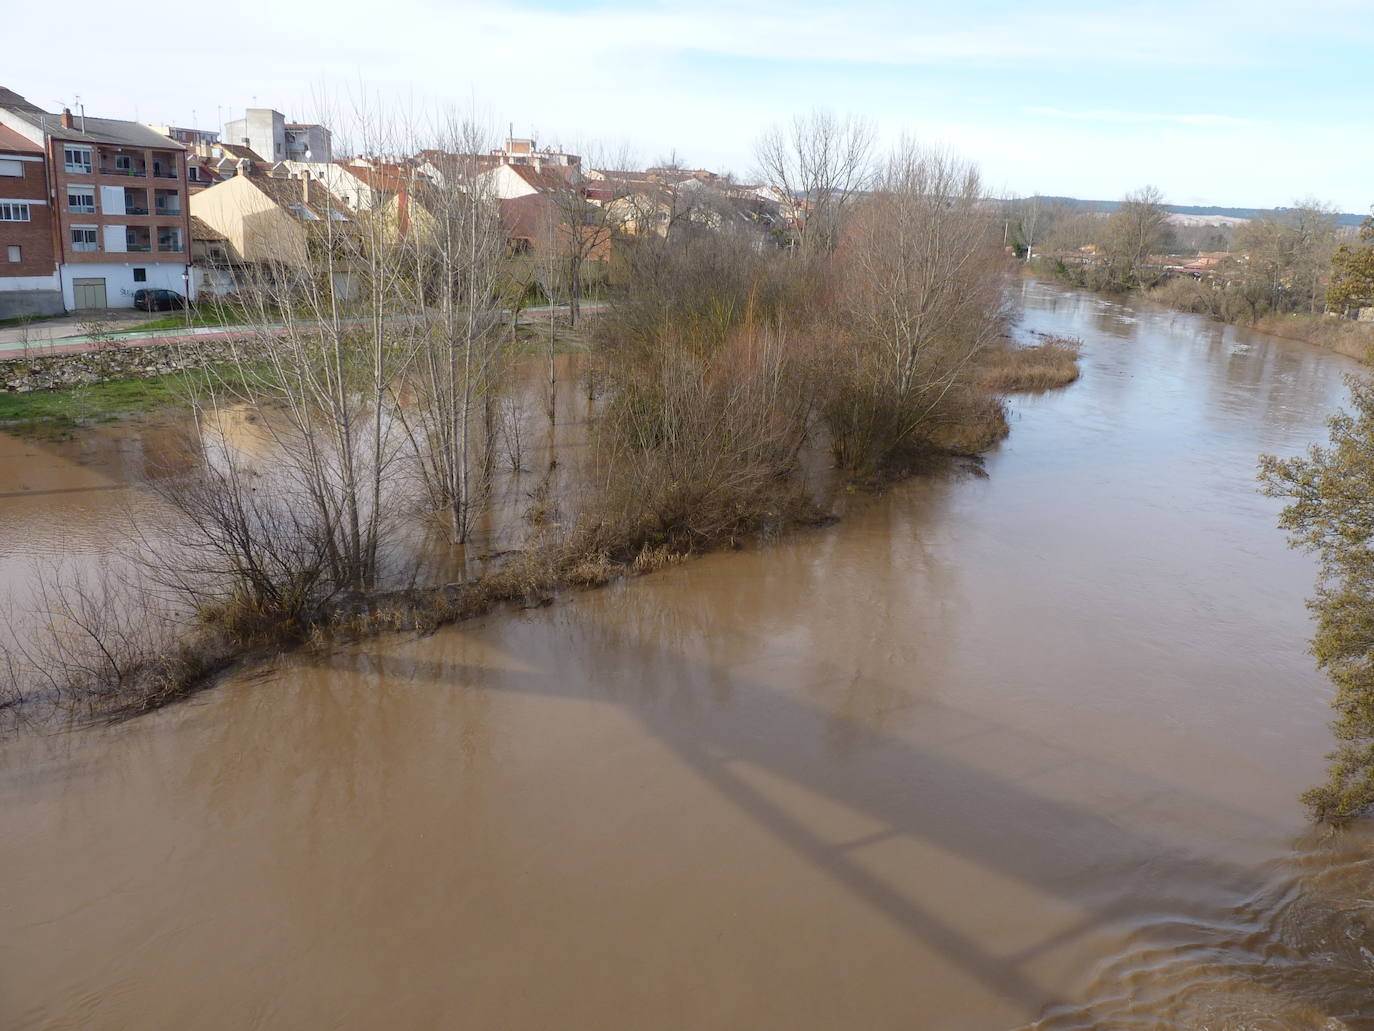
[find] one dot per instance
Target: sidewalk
(68, 334)
(74, 343)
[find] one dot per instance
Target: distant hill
(1343, 219)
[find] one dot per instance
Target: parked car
(158, 300)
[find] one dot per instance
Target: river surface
(1021, 750)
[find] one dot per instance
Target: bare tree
(452, 364)
(1137, 229)
(921, 296)
(816, 165)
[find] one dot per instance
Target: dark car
(158, 300)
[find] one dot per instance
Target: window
(16, 254)
(140, 275)
(81, 199)
(78, 159)
(83, 238)
(168, 238)
(13, 211)
(193, 173)
(14, 169)
(124, 163)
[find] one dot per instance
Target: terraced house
(117, 193)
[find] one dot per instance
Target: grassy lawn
(49, 412)
(209, 314)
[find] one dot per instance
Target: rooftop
(12, 143)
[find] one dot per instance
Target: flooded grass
(48, 412)
(1044, 366)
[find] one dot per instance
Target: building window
(81, 199)
(16, 254)
(140, 275)
(13, 169)
(168, 238)
(124, 163)
(84, 239)
(193, 173)
(78, 159)
(13, 211)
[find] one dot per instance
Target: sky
(1252, 104)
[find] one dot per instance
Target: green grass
(19, 320)
(53, 412)
(209, 314)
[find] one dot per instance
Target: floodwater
(1021, 750)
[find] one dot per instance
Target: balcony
(168, 203)
(169, 240)
(133, 170)
(138, 239)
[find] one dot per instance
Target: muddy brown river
(998, 752)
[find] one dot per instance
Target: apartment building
(29, 283)
(119, 203)
(271, 136)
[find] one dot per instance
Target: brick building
(29, 283)
(119, 203)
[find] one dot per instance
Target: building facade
(29, 283)
(120, 210)
(268, 134)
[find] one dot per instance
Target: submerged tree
(1331, 513)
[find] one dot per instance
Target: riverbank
(1343, 336)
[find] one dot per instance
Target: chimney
(66, 118)
(305, 186)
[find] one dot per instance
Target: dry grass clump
(651, 559)
(971, 422)
(1352, 339)
(1044, 366)
(594, 571)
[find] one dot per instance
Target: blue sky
(1253, 103)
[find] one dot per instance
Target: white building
(267, 133)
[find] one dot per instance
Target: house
(120, 211)
(269, 220)
(268, 133)
(508, 182)
(213, 269)
(361, 183)
(440, 165)
(29, 281)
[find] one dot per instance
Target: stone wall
(19, 374)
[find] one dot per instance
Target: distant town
(94, 209)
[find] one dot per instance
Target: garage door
(89, 293)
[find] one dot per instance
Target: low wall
(15, 304)
(19, 374)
